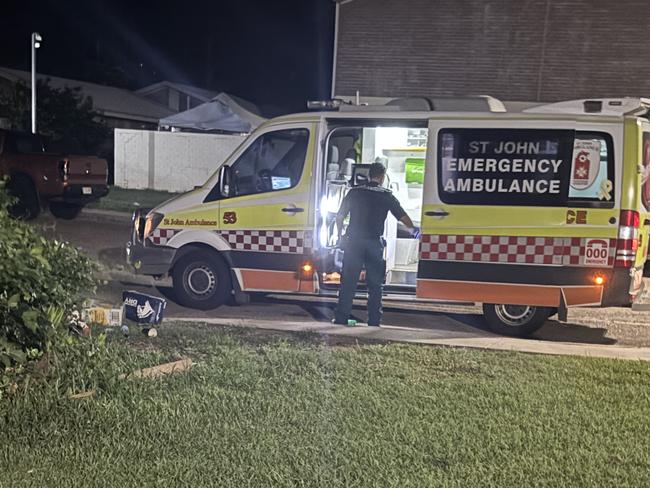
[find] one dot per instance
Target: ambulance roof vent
(596, 106)
(470, 103)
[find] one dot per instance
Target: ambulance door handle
(293, 209)
(646, 222)
(436, 213)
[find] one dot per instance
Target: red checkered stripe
(508, 249)
(574, 252)
(160, 236)
(283, 241)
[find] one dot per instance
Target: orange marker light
(599, 280)
(307, 268)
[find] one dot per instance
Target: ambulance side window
(504, 166)
(592, 170)
(274, 161)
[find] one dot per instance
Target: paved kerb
(478, 340)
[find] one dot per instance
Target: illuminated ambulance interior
(349, 153)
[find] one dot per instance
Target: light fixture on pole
(36, 43)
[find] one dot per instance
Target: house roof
(108, 101)
(196, 92)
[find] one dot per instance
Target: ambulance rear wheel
(515, 320)
(201, 280)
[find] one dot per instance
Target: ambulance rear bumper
(618, 289)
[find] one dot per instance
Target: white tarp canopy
(224, 112)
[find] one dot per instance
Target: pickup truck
(38, 179)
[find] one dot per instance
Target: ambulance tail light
(628, 239)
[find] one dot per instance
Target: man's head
(377, 173)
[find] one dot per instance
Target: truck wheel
(63, 210)
(201, 280)
(26, 206)
(515, 320)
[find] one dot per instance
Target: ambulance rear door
(498, 223)
(638, 145)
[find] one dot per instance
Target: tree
(65, 116)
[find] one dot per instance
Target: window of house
(274, 161)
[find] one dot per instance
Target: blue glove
(416, 232)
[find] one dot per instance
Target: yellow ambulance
(528, 212)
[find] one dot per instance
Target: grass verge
(127, 200)
(263, 409)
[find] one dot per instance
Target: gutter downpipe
(335, 50)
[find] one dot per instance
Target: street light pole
(36, 43)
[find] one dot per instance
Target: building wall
(171, 161)
(159, 96)
(174, 99)
(535, 50)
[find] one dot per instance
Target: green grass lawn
(126, 200)
(272, 410)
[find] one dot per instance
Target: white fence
(171, 161)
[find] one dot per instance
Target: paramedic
(368, 206)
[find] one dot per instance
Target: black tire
(26, 206)
(201, 280)
(515, 320)
(63, 210)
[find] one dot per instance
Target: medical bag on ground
(142, 308)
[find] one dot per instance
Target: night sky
(276, 53)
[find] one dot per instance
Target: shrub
(40, 280)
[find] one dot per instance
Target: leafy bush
(40, 280)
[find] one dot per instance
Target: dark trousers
(359, 254)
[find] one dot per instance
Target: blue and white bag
(142, 308)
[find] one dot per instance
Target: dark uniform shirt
(368, 207)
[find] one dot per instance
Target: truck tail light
(628, 239)
(64, 169)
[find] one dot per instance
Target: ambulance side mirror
(225, 181)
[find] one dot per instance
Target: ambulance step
(401, 290)
(401, 277)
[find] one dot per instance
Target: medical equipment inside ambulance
(350, 151)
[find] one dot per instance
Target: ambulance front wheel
(201, 280)
(515, 320)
